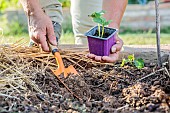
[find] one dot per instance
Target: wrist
(114, 25)
(31, 7)
(33, 11)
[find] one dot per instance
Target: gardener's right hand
(41, 28)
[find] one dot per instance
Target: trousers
(80, 9)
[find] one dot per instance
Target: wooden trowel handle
(53, 48)
(57, 56)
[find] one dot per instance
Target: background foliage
(13, 27)
(65, 3)
(8, 4)
(15, 4)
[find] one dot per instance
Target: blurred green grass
(144, 39)
(129, 39)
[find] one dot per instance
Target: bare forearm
(31, 7)
(115, 10)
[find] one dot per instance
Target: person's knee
(53, 9)
(81, 40)
(80, 10)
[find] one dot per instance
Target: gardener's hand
(41, 28)
(114, 55)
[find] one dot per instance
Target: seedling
(138, 63)
(101, 38)
(100, 20)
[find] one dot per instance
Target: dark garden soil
(106, 34)
(103, 88)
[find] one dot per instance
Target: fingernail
(113, 49)
(87, 55)
(54, 42)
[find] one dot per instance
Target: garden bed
(28, 85)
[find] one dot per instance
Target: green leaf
(124, 61)
(139, 63)
(97, 20)
(131, 58)
(107, 22)
(97, 14)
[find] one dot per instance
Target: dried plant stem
(167, 71)
(120, 108)
(45, 62)
(28, 81)
(17, 46)
(108, 74)
(5, 95)
(153, 73)
(12, 79)
(76, 64)
(14, 87)
(6, 70)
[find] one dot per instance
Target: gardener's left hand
(114, 55)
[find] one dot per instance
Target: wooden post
(158, 32)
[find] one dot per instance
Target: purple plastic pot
(101, 46)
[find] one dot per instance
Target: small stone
(45, 109)
(88, 104)
(152, 107)
(138, 73)
(138, 103)
(69, 111)
(81, 84)
(61, 100)
(141, 109)
(94, 110)
(156, 83)
(41, 97)
(75, 112)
